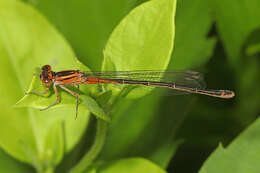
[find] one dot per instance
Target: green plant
(132, 130)
(54, 136)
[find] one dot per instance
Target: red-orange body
(75, 77)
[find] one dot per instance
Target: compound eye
(46, 68)
(40, 76)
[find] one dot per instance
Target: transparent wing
(186, 78)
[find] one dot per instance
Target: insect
(184, 81)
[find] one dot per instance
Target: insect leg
(39, 92)
(57, 98)
(74, 94)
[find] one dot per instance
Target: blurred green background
(218, 38)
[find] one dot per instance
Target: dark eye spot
(46, 68)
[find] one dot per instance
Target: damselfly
(184, 81)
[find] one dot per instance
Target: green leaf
(27, 41)
(130, 165)
(143, 39)
(86, 24)
(235, 23)
(8, 164)
(242, 155)
(94, 108)
(193, 22)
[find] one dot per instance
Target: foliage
(242, 155)
(133, 129)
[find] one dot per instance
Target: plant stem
(95, 149)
